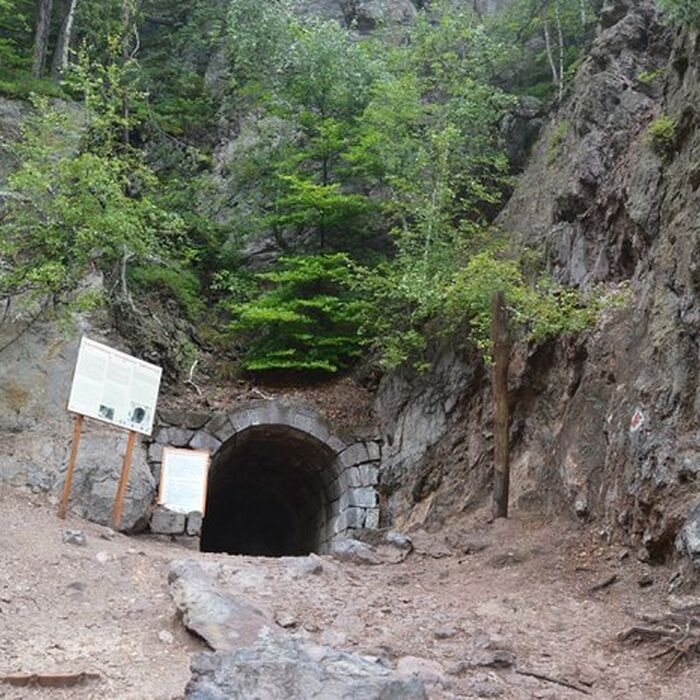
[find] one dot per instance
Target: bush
(305, 321)
(661, 136)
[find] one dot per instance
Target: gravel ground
(523, 588)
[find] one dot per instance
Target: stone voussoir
(174, 437)
(220, 427)
(202, 440)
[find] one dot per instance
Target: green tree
(305, 320)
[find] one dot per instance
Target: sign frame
(205, 455)
(122, 387)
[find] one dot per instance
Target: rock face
(605, 423)
(35, 377)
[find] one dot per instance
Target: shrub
(661, 136)
(181, 285)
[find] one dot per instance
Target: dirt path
(104, 607)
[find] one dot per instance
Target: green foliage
(72, 209)
(305, 319)
(173, 282)
(649, 77)
(661, 135)
(684, 12)
(522, 28)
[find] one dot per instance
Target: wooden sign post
(501, 357)
(123, 481)
(77, 429)
(117, 389)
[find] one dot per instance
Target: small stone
(166, 637)
(485, 689)
(645, 580)
(107, 534)
(356, 552)
(492, 658)
(445, 633)
(304, 566)
(285, 619)
(102, 557)
(398, 539)
(423, 669)
(75, 537)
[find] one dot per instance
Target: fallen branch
(52, 680)
(190, 379)
(551, 679)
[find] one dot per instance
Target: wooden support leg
(77, 429)
(123, 481)
(501, 356)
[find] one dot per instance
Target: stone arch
(283, 482)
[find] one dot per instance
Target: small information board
(183, 480)
(115, 388)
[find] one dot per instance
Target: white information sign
(183, 480)
(114, 387)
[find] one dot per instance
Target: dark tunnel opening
(270, 494)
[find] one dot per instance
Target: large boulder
(224, 621)
(291, 670)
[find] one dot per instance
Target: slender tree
(60, 56)
(41, 37)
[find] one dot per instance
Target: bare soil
(528, 590)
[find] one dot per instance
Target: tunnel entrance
(272, 492)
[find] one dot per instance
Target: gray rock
(183, 418)
(194, 524)
(174, 437)
(485, 689)
(426, 670)
(202, 440)
(688, 540)
(75, 537)
(225, 622)
(356, 552)
(305, 566)
(289, 670)
(167, 522)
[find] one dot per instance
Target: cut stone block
(167, 522)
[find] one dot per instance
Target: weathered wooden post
(500, 341)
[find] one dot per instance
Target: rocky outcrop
(604, 425)
(254, 657)
(35, 377)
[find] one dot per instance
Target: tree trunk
(126, 24)
(41, 37)
(560, 34)
(501, 358)
(550, 51)
(60, 56)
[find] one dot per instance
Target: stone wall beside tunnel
(282, 481)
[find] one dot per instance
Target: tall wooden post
(77, 428)
(501, 357)
(123, 481)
